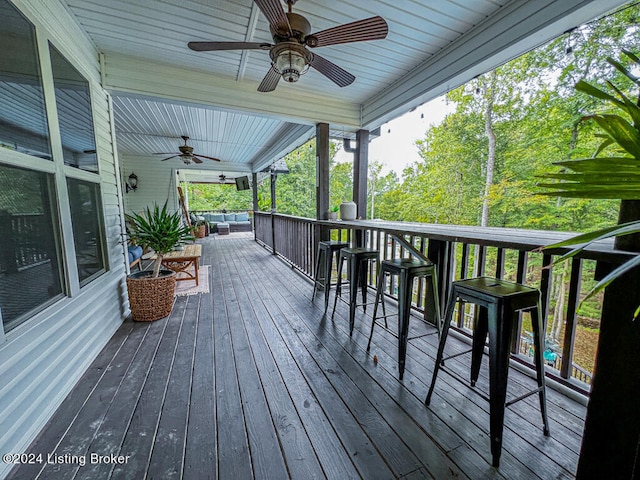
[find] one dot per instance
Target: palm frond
(621, 132)
(613, 275)
(592, 91)
(604, 177)
(602, 164)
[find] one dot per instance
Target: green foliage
(608, 176)
(264, 203)
(340, 182)
(536, 115)
(20, 191)
(295, 191)
(159, 230)
(218, 197)
(611, 176)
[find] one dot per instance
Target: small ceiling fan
(290, 56)
(223, 179)
(186, 154)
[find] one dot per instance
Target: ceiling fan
(290, 56)
(223, 179)
(186, 154)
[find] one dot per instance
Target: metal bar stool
(357, 261)
(326, 250)
(499, 302)
(407, 270)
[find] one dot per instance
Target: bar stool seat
(499, 301)
(407, 270)
(357, 261)
(324, 264)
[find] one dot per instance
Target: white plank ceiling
(163, 90)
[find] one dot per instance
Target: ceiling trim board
(151, 79)
(287, 140)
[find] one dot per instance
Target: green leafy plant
(335, 209)
(159, 230)
(264, 204)
(609, 176)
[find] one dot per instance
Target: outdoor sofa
(238, 222)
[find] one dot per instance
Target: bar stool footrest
(523, 396)
(345, 300)
(459, 354)
(456, 376)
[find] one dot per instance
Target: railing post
(521, 277)
(611, 439)
(8, 251)
(254, 206)
(571, 323)
(439, 253)
(322, 177)
(273, 233)
(360, 172)
(545, 287)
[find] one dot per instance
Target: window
(32, 247)
(86, 209)
(23, 120)
(30, 273)
(73, 100)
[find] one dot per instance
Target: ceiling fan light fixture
(291, 60)
(291, 65)
(187, 158)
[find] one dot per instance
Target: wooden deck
(249, 381)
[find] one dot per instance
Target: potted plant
(333, 213)
(151, 291)
(200, 229)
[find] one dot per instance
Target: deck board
(251, 381)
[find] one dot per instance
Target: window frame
(63, 228)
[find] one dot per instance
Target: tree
(378, 188)
(615, 175)
(206, 196)
(340, 183)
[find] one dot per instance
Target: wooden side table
(180, 261)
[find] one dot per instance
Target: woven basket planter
(151, 298)
(200, 232)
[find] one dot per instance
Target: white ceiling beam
(287, 140)
(251, 30)
(519, 27)
(176, 163)
(288, 103)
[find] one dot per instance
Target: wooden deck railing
(463, 252)
(294, 238)
(22, 247)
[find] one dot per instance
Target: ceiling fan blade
(165, 153)
(210, 158)
(333, 72)
(211, 46)
(169, 158)
(272, 9)
(196, 159)
(374, 28)
(270, 80)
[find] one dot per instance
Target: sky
(395, 148)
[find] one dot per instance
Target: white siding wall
(42, 359)
(157, 183)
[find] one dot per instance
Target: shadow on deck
(249, 381)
